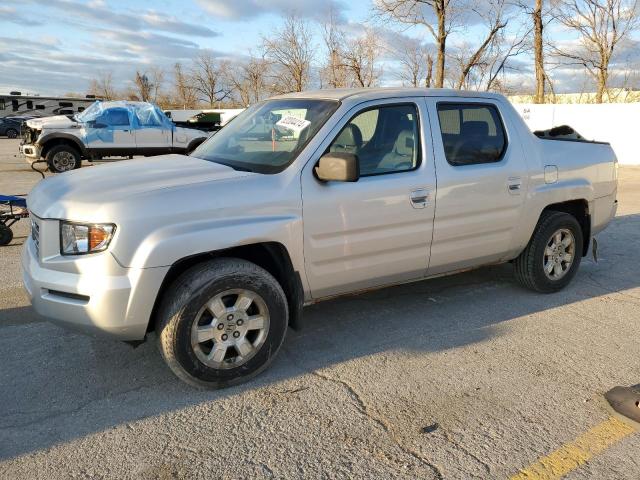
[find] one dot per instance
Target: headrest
(405, 143)
(349, 137)
(475, 128)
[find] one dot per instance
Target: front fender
(174, 242)
(48, 137)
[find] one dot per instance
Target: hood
(59, 121)
(83, 193)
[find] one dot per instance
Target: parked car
(10, 127)
(219, 251)
(105, 129)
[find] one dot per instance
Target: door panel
(114, 132)
(378, 230)
(478, 205)
(151, 130)
(153, 137)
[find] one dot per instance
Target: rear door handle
(419, 198)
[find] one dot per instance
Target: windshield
(267, 137)
(90, 113)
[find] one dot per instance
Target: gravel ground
(468, 376)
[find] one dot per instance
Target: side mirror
(338, 167)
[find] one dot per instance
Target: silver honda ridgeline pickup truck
(301, 198)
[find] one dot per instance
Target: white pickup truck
(105, 129)
(301, 198)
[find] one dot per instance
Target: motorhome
(17, 104)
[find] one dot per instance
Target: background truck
(105, 129)
(210, 120)
(353, 190)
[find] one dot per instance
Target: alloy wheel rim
(559, 254)
(230, 329)
(63, 161)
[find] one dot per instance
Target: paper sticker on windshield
(293, 123)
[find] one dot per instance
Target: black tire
(74, 162)
(6, 234)
(529, 266)
(183, 303)
(12, 133)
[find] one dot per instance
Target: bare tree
(541, 15)
(210, 79)
(416, 63)
(499, 62)
(290, 51)
(144, 86)
(249, 80)
(362, 57)
(334, 72)
(414, 12)
(102, 86)
(538, 50)
(493, 14)
(600, 25)
(186, 96)
(157, 80)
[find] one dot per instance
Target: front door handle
(419, 198)
(514, 185)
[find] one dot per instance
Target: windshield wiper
(230, 165)
(239, 169)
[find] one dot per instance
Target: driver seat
(348, 141)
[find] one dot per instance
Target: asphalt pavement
(468, 376)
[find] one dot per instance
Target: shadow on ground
(58, 386)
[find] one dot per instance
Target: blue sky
(57, 46)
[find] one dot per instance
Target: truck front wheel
(221, 322)
(553, 254)
(63, 158)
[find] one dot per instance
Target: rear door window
(471, 133)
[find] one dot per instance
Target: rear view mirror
(338, 167)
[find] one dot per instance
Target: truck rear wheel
(553, 254)
(222, 322)
(63, 158)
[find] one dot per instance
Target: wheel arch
(579, 209)
(50, 141)
(272, 256)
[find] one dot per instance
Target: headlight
(79, 239)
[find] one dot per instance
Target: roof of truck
(364, 94)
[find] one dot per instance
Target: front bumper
(31, 151)
(93, 294)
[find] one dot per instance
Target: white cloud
(242, 9)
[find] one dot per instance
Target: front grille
(28, 134)
(35, 235)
